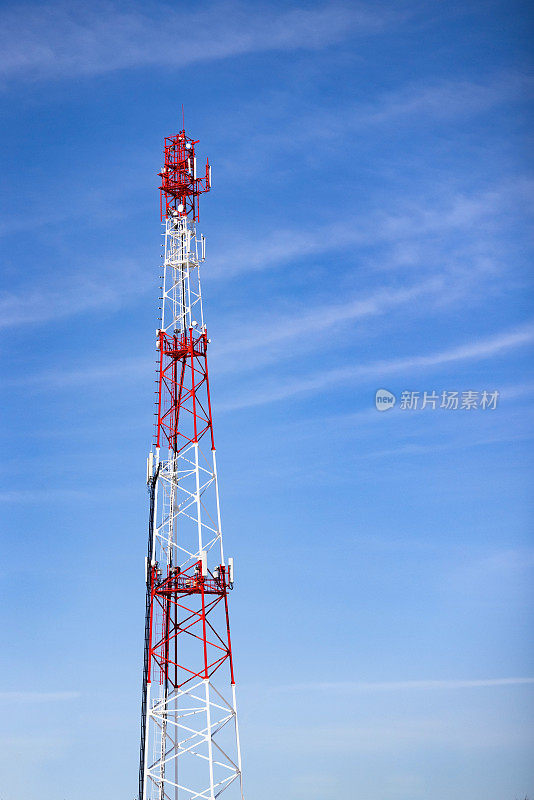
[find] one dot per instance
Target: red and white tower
(189, 733)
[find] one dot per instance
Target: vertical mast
(189, 733)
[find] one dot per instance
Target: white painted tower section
(191, 737)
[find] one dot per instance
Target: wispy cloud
(414, 224)
(41, 495)
(68, 40)
(478, 350)
(517, 391)
(134, 368)
(444, 99)
(416, 235)
(279, 335)
(93, 290)
(395, 686)
(461, 444)
(496, 577)
(53, 495)
(122, 369)
(37, 697)
(34, 749)
(427, 103)
(398, 732)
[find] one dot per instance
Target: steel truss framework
(189, 732)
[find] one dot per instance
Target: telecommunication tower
(189, 733)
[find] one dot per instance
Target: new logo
(384, 400)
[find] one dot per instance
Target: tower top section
(181, 184)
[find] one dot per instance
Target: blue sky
(369, 227)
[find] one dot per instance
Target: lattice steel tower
(189, 733)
